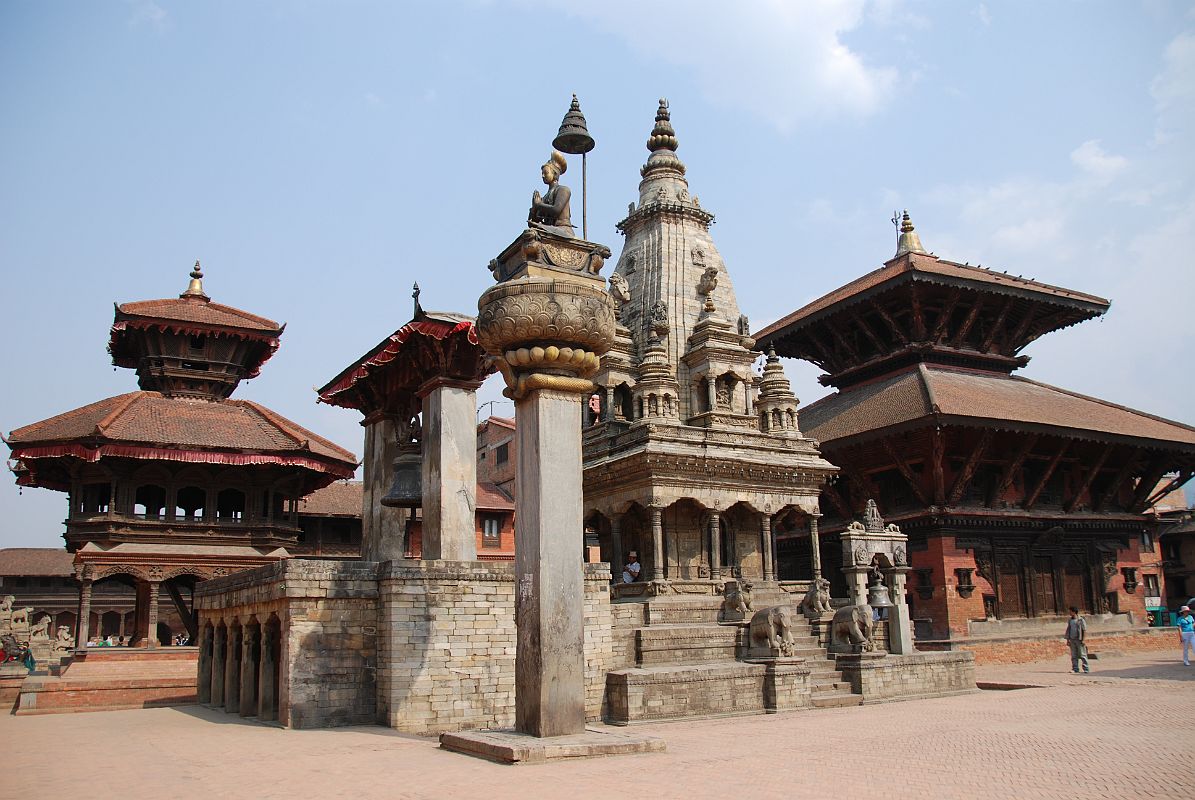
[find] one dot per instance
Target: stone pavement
(1121, 732)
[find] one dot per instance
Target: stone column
(249, 661)
(617, 559)
(765, 536)
(711, 390)
(546, 326)
(900, 627)
(449, 469)
(715, 539)
(204, 688)
(550, 658)
(816, 545)
(151, 614)
(856, 578)
(266, 685)
(657, 543)
(382, 528)
(219, 656)
(232, 670)
(82, 625)
(609, 415)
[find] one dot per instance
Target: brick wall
(1024, 650)
(894, 677)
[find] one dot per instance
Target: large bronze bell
(407, 489)
(877, 594)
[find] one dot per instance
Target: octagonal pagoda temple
(176, 483)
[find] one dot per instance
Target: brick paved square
(1120, 732)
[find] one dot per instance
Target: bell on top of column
(573, 136)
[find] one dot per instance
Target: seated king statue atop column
(551, 211)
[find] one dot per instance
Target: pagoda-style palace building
(177, 483)
(1019, 499)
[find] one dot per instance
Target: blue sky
(320, 157)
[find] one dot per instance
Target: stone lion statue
(41, 628)
(851, 630)
(772, 629)
(20, 617)
(817, 600)
(736, 599)
(620, 290)
(64, 641)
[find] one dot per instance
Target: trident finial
(415, 296)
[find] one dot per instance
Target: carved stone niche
(965, 584)
(1130, 578)
(925, 585)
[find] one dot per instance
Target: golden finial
(195, 287)
(908, 241)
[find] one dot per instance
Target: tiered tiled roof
(986, 400)
(339, 499)
(147, 425)
(36, 561)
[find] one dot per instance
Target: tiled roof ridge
(1101, 401)
(264, 322)
(18, 433)
(296, 432)
(102, 426)
(912, 264)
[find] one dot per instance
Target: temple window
(190, 503)
(95, 498)
(1147, 542)
(230, 505)
(149, 502)
(198, 343)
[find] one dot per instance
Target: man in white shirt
(630, 573)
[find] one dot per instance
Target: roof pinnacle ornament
(908, 241)
(195, 287)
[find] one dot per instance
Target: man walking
(1186, 632)
(1076, 638)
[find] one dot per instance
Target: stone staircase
(687, 664)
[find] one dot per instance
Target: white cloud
(984, 15)
(147, 12)
(1092, 159)
(1173, 90)
(374, 100)
(783, 61)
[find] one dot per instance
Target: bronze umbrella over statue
(573, 138)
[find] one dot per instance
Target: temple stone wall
(906, 677)
(438, 635)
(328, 614)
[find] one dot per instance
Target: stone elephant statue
(851, 630)
(771, 629)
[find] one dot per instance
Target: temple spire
(663, 163)
(195, 287)
(908, 241)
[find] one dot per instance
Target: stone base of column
(510, 747)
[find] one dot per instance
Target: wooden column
(82, 624)
(151, 615)
(617, 559)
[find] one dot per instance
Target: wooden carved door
(1044, 602)
(1012, 595)
(1074, 584)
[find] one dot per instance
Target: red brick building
(1019, 498)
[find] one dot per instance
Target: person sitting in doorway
(630, 572)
